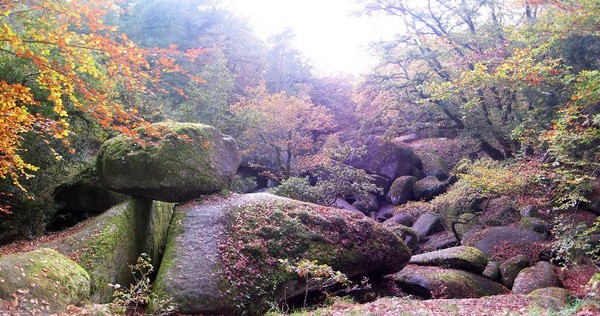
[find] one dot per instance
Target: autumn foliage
(74, 61)
(283, 129)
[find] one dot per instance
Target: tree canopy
(69, 59)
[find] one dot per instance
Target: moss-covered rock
(464, 223)
(427, 224)
(510, 268)
(500, 211)
(490, 238)
(407, 234)
(460, 199)
(462, 258)
(170, 162)
(223, 254)
(111, 242)
(42, 281)
(386, 158)
(437, 282)
(535, 224)
(539, 276)
(401, 190)
(428, 188)
(555, 292)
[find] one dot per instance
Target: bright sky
(325, 32)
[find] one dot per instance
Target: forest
(158, 157)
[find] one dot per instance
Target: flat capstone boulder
(461, 257)
(171, 162)
(227, 255)
(435, 282)
(42, 282)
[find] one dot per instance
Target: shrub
(315, 275)
(334, 179)
(136, 299)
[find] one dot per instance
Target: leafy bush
(315, 275)
(135, 299)
(243, 185)
(334, 179)
(299, 189)
(574, 242)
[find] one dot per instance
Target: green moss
(45, 277)
(171, 155)
(456, 281)
(157, 231)
(107, 246)
(406, 234)
(107, 253)
(168, 258)
(459, 199)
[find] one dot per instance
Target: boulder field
(229, 254)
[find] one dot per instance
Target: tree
(70, 61)
(457, 68)
(287, 68)
(192, 24)
(281, 130)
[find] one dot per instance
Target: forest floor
(499, 305)
(29, 245)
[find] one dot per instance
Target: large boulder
(461, 257)
(492, 238)
(107, 245)
(437, 282)
(539, 276)
(224, 254)
(428, 224)
(387, 159)
(555, 292)
(428, 188)
(171, 162)
(401, 190)
(510, 268)
(407, 234)
(42, 281)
